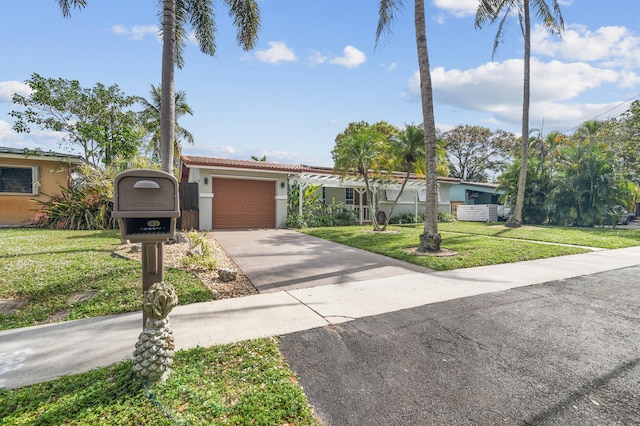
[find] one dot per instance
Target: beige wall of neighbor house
(47, 173)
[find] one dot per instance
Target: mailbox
(146, 203)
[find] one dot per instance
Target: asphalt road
(561, 353)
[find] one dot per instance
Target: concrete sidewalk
(37, 354)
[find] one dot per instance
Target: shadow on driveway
(280, 259)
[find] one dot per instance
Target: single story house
(27, 175)
(254, 194)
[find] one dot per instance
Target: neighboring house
(253, 194)
(476, 193)
(27, 175)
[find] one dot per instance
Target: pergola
(304, 180)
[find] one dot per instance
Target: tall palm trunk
(515, 221)
(167, 106)
(430, 239)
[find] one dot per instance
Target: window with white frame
(18, 180)
(348, 196)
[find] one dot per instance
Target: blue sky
(315, 69)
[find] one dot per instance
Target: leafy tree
(97, 119)
(474, 152)
(624, 139)
(491, 10)
(360, 151)
(150, 118)
(261, 159)
(430, 239)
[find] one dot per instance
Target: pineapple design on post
(153, 355)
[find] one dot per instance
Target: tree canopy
(477, 154)
(96, 120)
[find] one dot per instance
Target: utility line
(607, 111)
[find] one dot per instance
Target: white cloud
(8, 88)
(351, 59)
(495, 89)
(317, 58)
(389, 67)
(458, 7)
(612, 45)
(277, 52)
(44, 139)
(137, 32)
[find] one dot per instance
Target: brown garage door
(239, 203)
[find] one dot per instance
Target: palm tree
(176, 15)
(361, 152)
(150, 117)
(430, 239)
(199, 15)
(491, 10)
(408, 151)
(66, 6)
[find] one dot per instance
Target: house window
(348, 195)
(18, 180)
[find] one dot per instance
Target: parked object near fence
(478, 213)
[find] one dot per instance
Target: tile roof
(190, 160)
(26, 152)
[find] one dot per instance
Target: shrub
(405, 218)
(446, 217)
(201, 254)
(323, 217)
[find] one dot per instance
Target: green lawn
(240, 384)
(49, 269)
(247, 383)
(589, 237)
(478, 244)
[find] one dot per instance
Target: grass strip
(473, 249)
(238, 384)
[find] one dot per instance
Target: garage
(243, 203)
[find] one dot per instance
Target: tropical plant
(589, 191)
(88, 202)
(311, 194)
(541, 178)
(361, 152)
(407, 149)
(430, 239)
(491, 10)
(150, 118)
(85, 205)
(176, 15)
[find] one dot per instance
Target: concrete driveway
(281, 259)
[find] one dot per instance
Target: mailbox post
(146, 203)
